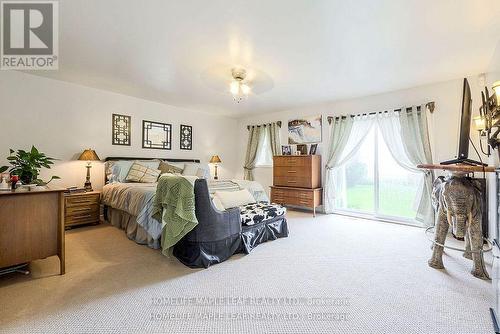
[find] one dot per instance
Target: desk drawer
(83, 200)
(82, 218)
(79, 210)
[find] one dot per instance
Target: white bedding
(137, 200)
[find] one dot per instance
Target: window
(264, 156)
(374, 184)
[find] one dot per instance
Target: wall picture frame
(186, 137)
(121, 130)
(156, 135)
(305, 130)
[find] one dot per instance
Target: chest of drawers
(81, 208)
(297, 181)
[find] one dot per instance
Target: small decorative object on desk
(13, 181)
(28, 187)
(302, 148)
(286, 150)
(26, 165)
(3, 183)
(313, 149)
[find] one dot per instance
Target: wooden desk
(31, 226)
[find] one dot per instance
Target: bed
(129, 206)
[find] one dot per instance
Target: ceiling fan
(238, 81)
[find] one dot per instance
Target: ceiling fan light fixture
(245, 89)
(234, 87)
(237, 87)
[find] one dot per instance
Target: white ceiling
(314, 51)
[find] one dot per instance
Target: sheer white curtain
(415, 137)
(406, 135)
(346, 135)
(404, 148)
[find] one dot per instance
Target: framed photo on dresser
(313, 149)
(286, 150)
(302, 148)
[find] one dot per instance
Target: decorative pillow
(117, 171)
(166, 167)
(217, 203)
(152, 164)
(201, 173)
(232, 199)
(197, 169)
(142, 174)
(180, 165)
(120, 170)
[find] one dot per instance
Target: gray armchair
(216, 237)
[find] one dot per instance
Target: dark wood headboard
(139, 158)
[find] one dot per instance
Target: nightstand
(81, 208)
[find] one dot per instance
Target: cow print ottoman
(255, 213)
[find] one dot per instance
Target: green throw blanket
(174, 206)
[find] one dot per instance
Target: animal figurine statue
(457, 202)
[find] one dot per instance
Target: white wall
(444, 121)
(62, 119)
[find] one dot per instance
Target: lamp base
(216, 177)
(88, 186)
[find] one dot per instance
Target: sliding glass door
(373, 184)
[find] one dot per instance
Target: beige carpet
(355, 276)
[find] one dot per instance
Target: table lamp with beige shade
(88, 155)
(216, 161)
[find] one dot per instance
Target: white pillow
(217, 203)
(197, 169)
(120, 170)
(232, 199)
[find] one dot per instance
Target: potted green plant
(27, 165)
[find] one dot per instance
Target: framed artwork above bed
(156, 135)
(186, 137)
(121, 130)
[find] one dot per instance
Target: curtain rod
(264, 125)
(429, 105)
